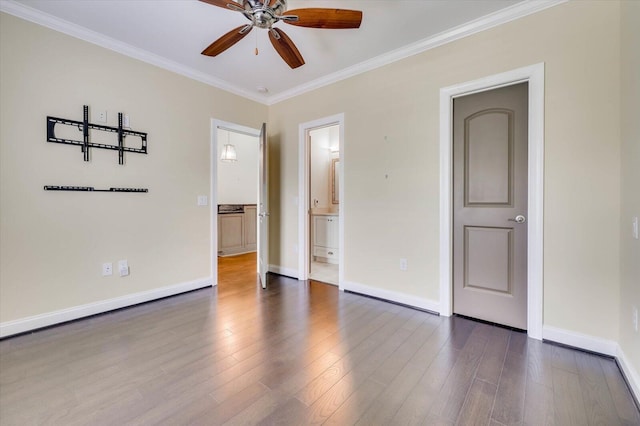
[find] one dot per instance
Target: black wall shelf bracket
(91, 189)
(85, 144)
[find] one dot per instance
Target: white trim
(213, 182)
(287, 272)
(304, 246)
(630, 373)
(500, 17)
(392, 296)
(22, 325)
(213, 204)
(579, 340)
(534, 74)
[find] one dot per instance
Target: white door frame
(304, 256)
(534, 75)
(213, 182)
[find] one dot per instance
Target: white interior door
(263, 208)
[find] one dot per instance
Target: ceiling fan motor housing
(261, 14)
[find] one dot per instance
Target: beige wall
(394, 217)
(630, 248)
(52, 244)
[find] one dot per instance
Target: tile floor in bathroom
(324, 272)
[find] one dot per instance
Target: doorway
(234, 195)
(534, 76)
(324, 199)
(321, 212)
(490, 205)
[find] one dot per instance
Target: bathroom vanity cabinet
(325, 238)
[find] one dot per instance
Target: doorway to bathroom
(321, 214)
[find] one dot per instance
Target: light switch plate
(123, 268)
(203, 200)
(635, 227)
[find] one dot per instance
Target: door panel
(487, 259)
(490, 189)
(488, 162)
(263, 208)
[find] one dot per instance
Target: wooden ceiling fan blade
(325, 18)
(227, 40)
(225, 4)
(285, 48)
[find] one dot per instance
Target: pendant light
(228, 152)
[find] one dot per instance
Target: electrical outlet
(403, 264)
(634, 313)
(107, 269)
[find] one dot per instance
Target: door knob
(518, 219)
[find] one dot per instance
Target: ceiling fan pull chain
(256, 43)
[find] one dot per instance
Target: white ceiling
(172, 33)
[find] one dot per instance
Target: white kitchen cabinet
(325, 238)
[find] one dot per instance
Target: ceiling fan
(265, 13)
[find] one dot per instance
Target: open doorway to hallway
(235, 199)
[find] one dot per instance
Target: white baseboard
(392, 296)
(579, 340)
(287, 272)
(22, 325)
(630, 373)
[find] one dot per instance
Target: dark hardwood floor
(296, 354)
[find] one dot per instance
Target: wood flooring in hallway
(298, 353)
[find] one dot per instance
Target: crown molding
(519, 10)
(33, 15)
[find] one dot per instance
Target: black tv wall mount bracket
(85, 144)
